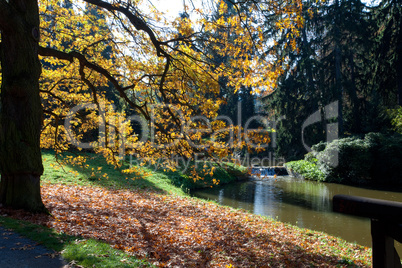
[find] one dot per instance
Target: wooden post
(384, 253)
(385, 216)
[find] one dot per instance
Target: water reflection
(303, 203)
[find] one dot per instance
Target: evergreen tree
(387, 74)
(333, 63)
(300, 91)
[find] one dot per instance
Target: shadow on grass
(84, 252)
(95, 171)
(210, 175)
(43, 235)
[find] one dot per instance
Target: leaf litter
(175, 231)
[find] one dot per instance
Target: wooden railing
(386, 225)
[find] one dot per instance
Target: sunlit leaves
(163, 74)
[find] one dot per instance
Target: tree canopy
(162, 71)
(349, 55)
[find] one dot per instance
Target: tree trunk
(21, 110)
(21, 191)
(399, 60)
(338, 71)
(356, 121)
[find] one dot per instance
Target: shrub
(387, 154)
(307, 169)
(319, 146)
(396, 115)
(346, 160)
(375, 159)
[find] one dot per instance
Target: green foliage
(374, 159)
(396, 116)
(346, 160)
(346, 53)
(387, 154)
(223, 174)
(308, 170)
(387, 58)
(319, 146)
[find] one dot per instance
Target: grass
(223, 173)
(92, 253)
(84, 252)
(96, 172)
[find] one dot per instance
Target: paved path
(19, 252)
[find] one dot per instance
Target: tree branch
(50, 52)
(137, 22)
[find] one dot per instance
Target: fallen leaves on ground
(175, 231)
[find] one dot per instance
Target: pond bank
(307, 204)
(168, 230)
(164, 226)
(293, 173)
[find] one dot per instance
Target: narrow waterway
(303, 203)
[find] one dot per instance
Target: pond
(307, 204)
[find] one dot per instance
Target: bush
(319, 146)
(376, 159)
(307, 169)
(387, 154)
(346, 161)
(396, 115)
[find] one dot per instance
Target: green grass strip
(80, 251)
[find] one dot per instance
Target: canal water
(307, 204)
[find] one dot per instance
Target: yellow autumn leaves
(168, 85)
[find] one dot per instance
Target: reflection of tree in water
(307, 194)
(303, 203)
(269, 192)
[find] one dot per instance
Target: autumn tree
(238, 104)
(153, 64)
(21, 111)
